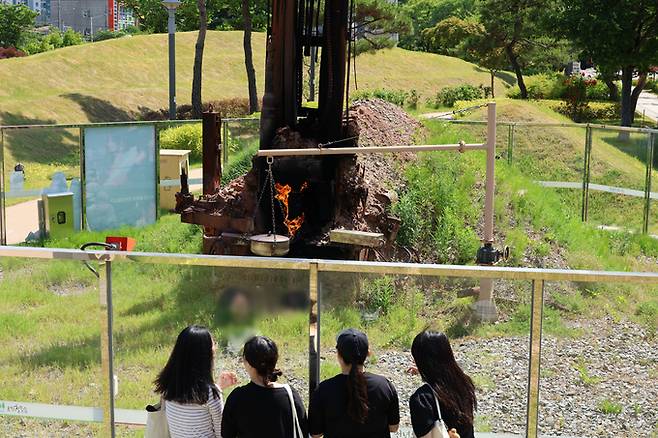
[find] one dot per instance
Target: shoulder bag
(297, 430)
(156, 421)
(439, 430)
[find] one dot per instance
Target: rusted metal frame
(212, 168)
(534, 360)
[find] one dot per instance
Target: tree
(425, 14)
(514, 26)
(466, 39)
(619, 35)
(15, 20)
(249, 58)
(375, 22)
(197, 75)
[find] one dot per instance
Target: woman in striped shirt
(192, 402)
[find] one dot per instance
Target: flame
(282, 194)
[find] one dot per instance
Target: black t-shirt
(253, 411)
(327, 411)
(422, 407)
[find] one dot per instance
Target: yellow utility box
(172, 164)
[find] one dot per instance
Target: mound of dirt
(380, 123)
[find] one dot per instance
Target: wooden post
(212, 167)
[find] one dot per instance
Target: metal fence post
(107, 348)
(314, 328)
(3, 216)
(536, 317)
(647, 183)
(510, 143)
(586, 173)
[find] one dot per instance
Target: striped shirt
(193, 420)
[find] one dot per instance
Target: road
(647, 104)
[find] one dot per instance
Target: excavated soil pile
(381, 123)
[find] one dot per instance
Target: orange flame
(282, 194)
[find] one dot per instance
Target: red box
(123, 243)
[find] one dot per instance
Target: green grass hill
(109, 80)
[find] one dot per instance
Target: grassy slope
(112, 80)
(107, 80)
(556, 154)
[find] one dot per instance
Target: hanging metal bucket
(270, 245)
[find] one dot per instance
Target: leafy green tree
(425, 14)
(466, 39)
(375, 22)
(619, 35)
(15, 20)
(518, 27)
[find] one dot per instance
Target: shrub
(396, 97)
(11, 52)
(412, 101)
(652, 85)
(541, 86)
(448, 96)
(598, 91)
(183, 137)
(234, 107)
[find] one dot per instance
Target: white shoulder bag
(439, 430)
(297, 430)
(156, 421)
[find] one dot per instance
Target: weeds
(609, 407)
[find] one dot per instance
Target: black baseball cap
(352, 344)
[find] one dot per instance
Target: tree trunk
(635, 94)
(630, 95)
(197, 107)
(493, 76)
(514, 60)
(248, 58)
(613, 90)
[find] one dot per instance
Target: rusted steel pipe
(211, 157)
(370, 150)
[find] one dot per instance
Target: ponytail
(352, 346)
(263, 354)
(357, 395)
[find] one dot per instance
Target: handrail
(344, 266)
(559, 125)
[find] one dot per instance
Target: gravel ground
(615, 362)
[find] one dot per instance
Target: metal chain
(270, 160)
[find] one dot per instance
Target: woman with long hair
(192, 402)
(445, 383)
(263, 408)
(355, 403)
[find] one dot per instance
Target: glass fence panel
(617, 179)
(49, 347)
(154, 303)
(599, 370)
(241, 139)
(393, 309)
(41, 164)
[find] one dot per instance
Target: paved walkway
(647, 104)
(22, 219)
